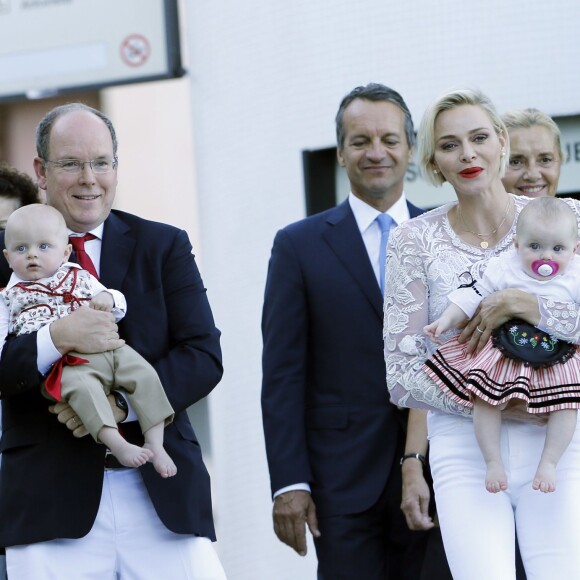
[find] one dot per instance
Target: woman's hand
(493, 311)
(516, 411)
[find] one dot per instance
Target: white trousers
(478, 527)
(127, 542)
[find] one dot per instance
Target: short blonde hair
(448, 101)
(527, 118)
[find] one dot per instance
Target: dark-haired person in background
(16, 189)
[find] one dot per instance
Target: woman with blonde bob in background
(462, 140)
(536, 154)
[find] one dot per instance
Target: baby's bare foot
(495, 478)
(545, 478)
(128, 454)
(162, 463)
(132, 455)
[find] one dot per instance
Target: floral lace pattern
(424, 263)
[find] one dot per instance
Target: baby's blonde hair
(27, 213)
(547, 208)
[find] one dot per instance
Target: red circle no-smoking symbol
(135, 50)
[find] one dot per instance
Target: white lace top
(424, 262)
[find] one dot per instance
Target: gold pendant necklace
(483, 243)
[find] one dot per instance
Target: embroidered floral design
(520, 338)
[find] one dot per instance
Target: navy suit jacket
(326, 412)
(50, 482)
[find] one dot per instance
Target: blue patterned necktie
(386, 222)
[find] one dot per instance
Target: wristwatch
(120, 402)
(418, 456)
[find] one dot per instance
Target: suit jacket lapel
(414, 211)
(116, 251)
(344, 238)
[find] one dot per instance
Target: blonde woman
(463, 141)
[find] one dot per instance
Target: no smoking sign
(135, 50)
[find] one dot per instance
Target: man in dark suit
(334, 441)
(67, 509)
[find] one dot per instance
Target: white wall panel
(267, 78)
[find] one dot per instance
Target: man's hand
(415, 497)
(291, 511)
(86, 331)
(66, 415)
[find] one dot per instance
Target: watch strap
(120, 401)
(418, 456)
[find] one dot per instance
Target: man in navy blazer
(333, 439)
(59, 491)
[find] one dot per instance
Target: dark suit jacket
(50, 482)
(327, 417)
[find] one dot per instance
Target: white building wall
(267, 78)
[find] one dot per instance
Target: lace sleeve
(560, 319)
(406, 313)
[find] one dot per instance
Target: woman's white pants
(478, 527)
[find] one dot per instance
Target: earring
(502, 152)
(435, 171)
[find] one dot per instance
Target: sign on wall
(54, 46)
(570, 174)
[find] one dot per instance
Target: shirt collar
(365, 215)
(97, 232)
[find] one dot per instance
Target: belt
(111, 462)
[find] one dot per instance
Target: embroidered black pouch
(521, 341)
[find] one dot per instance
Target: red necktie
(83, 259)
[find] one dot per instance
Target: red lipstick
(471, 172)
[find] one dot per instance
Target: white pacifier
(545, 270)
